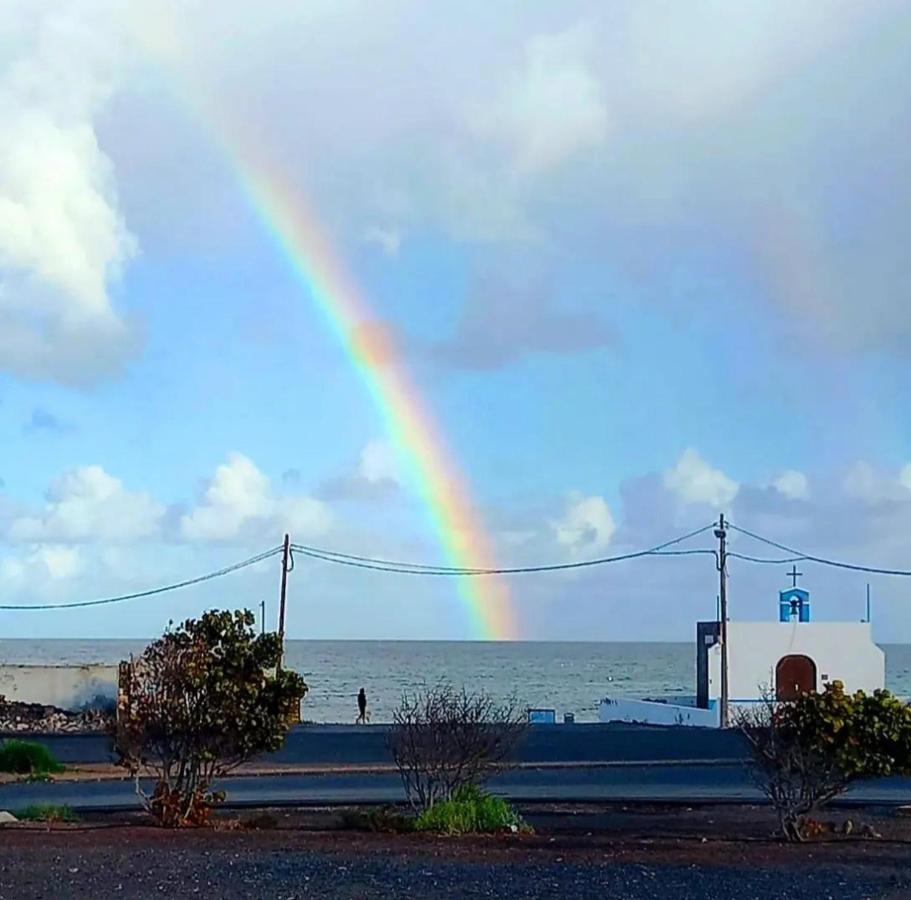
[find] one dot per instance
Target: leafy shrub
(809, 750)
(443, 739)
(471, 811)
(202, 699)
(46, 813)
(27, 758)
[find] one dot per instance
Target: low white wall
(653, 713)
(67, 687)
(842, 651)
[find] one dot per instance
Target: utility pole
(262, 617)
(286, 557)
(721, 534)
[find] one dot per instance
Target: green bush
(27, 758)
(204, 698)
(809, 750)
(471, 811)
(43, 812)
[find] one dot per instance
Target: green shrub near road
(42, 812)
(810, 750)
(27, 758)
(204, 698)
(471, 811)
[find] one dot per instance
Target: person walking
(362, 707)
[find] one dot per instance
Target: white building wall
(66, 687)
(842, 651)
(651, 712)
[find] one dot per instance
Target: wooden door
(794, 675)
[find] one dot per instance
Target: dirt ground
(705, 834)
(577, 851)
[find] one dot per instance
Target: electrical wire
(153, 591)
(408, 568)
(451, 573)
(385, 565)
(763, 559)
(807, 557)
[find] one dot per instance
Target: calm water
(568, 677)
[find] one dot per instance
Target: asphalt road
(353, 745)
(680, 783)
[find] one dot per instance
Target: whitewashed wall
(67, 687)
(653, 713)
(841, 650)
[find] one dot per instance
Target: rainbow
(295, 228)
(369, 345)
(371, 350)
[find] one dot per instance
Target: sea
(568, 677)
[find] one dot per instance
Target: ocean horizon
(566, 676)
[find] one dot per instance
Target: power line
(159, 590)
(404, 568)
(409, 568)
(764, 559)
(463, 573)
(807, 557)
(336, 556)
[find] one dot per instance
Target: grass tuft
(27, 758)
(46, 812)
(471, 811)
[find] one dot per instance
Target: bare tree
(795, 775)
(443, 739)
(808, 750)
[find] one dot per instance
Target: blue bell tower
(794, 603)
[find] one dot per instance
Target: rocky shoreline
(38, 718)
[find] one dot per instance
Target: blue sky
(645, 262)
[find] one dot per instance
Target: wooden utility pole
(286, 558)
(721, 534)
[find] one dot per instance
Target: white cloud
(552, 108)
(681, 69)
(863, 482)
(693, 480)
(389, 240)
(53, 562)
(792, 484)
(238, 492)
(637, 128)
(60, 561)
(378, 462)
(376, 478)
(87, 504)
(567, 122)
(866, 483)
(240, 502)
(904, 477)
(586, 524)
(62, 236)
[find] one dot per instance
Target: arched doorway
(794, 675)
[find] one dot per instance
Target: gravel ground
(101, 864)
